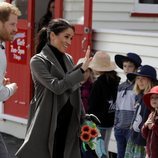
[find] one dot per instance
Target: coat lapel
(48, 55)
(68, 62)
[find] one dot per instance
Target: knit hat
(133, 57)
(102, 62)
(147, 96)
(146, 71)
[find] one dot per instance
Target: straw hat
(102, 62)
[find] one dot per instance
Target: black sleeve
(97, 100)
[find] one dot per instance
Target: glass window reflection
(22, 5)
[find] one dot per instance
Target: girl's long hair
(150, 84)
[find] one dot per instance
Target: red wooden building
(21, 50)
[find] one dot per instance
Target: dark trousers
(3, 149)
(122, 136)
(63, 122)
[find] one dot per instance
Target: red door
(83, 32)
(21, 49)
(19, 53)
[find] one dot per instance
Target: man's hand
(6, 81)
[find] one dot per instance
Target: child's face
(128, 67)
(154, 101)
(142, 82)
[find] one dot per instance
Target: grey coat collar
(47, 54)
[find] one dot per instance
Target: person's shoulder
(69, 57)
(38, 56)
(101, 80)
(34, 58)
(124, 83)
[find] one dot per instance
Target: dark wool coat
(140, 116)
(102, 99)
(151, 137)
(53, 88)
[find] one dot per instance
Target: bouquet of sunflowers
(89, 132)
(90, 136)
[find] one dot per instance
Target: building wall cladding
(115, 31)
(110, 14)
(122, 42)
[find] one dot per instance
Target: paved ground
(12, 144)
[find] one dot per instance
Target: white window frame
(145, 8)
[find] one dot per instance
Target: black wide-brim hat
(133, 57)
(146, 71)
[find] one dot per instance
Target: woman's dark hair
(44, 21)
(48, 7)
(40, 40)
(112, 75)
(57, 26)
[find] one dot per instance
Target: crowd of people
(65, 93)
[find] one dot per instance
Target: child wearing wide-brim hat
(86, 84)
(125, 100)
(144, 79)
(146, 71)
(147, 98)
(85, 88)
(150, 127)
(103, 93)
(133, 57)
(101, 62)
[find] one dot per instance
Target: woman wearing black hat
(145, 79)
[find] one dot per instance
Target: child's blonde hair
(149, 85)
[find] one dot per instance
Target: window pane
(22, 5)
(149, 1)
(146, 7)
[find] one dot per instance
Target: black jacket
(102, 99)
(140, 117)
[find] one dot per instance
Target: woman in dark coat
(54, 123)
